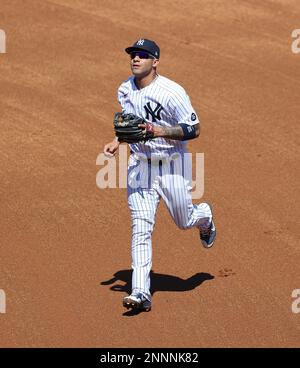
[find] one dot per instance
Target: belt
(149, 160)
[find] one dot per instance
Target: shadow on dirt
(159, 282)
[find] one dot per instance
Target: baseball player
(170, 121)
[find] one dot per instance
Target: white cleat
(137, 302)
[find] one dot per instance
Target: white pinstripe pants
(147, 184)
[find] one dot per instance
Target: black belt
(149, 159)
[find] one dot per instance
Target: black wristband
(189, 131)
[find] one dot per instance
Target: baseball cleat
(137, 302)
(208, 234)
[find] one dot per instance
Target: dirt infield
(65, 243)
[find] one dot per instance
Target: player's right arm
(111, 148)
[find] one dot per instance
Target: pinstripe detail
(147, 184)
(174, 189)
(176, 105)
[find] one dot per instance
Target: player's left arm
(181, 109)
(179, 132)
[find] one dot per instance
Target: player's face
(142, 63)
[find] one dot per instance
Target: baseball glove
(127, 128)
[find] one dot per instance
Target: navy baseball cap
(145, 45)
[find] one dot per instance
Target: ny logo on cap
(140, 42)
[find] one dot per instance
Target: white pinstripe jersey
(162, 102)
